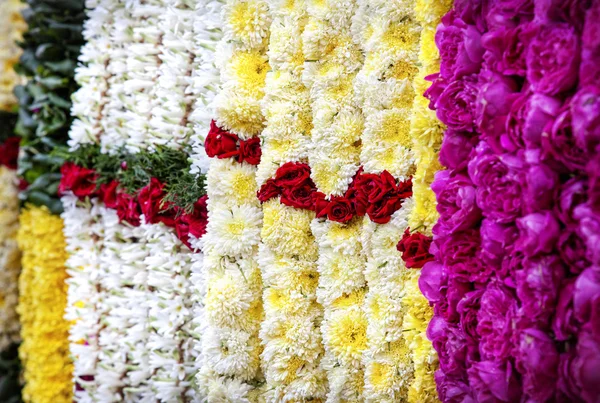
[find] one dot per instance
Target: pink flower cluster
(515, 283)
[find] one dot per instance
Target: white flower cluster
(387, 360)
(12, 26)
(205, 77)
(10, 264)
(233, 303)
(332, 61)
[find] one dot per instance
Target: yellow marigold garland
(291, 331)
(426, 132)
(44, 352)
(9, 257)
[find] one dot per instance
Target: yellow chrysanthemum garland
(233, 304)
(10, 264)
(44, 351)
(332, 62)
(290, 332)
(426, 133)
(12, 27)
(389, 35)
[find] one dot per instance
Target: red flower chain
(223, 144)
(148, 201)
(375, 195)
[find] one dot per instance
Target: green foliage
(50, 50)
(10, 388)
(134, 171)
(7, 124)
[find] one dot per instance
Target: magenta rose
(559, 144)
(452, 291)
(541, 183)
(586, 127)
(584, 369)
(553, 59)
(452, 389)
(456, 202)
(586, 296)
(460, 254)
(472, 12)
(537, 288)
(499, 192)
(564, 324)
(456, 104)
(572, 194)
(438, 84)
(511, 264)
(496, 321)
(593, 186)
(589, 71)
(589, 231)
(430, 281)
(572, 251)
(452, 350)
(497, 241)
(494, 101)
(538, 233)
(537, 361)
(456, 149)
(506, 49)
(460, 47)
(529, 114)
(494, 381)
(569, 11)
(508, 13)
(468, 308)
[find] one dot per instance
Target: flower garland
(331, 63)
(233, 303)
(290, 331)
(389, 35)
(514, 282)
(44, 350)
(12, 26)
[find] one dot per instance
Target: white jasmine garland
(10, 266)
(12, 26)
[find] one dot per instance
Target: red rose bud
(292, 174)
(250, 151)
(124, 165)
(268, 190)
(81, 181)
(299, 196)
(220, 143)
(415, 249)
(340, 209)
(9, 152)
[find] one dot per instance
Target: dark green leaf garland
(50, 50)
(134, 171)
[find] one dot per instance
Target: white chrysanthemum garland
(389, 35)
(205, 77)
(9, 257)
(233, 303)
(332, 61)
(290, 332)
(12, 26)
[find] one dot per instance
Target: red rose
(268, 190)
(152, 206)
(292, 174)
(250, 151)
(128, 209)
(415, 249)
(108, 194)
(81, 181)
(375, 187)
(9, 152)
(340, 209)
(220, 143)
(319, 203)
(194, 223)
(382, 211)
(404, 189)
(299, 196)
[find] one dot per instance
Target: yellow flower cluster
(10, 264)
(12, 27)
(44, 351)
(231, 346)
(291, 332)
(426, 133)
